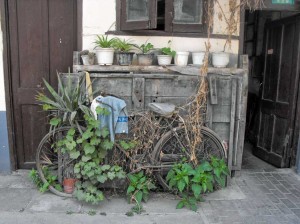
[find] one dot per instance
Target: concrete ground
(261, 195)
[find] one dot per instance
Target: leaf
(71, 145)
(86, 158)
(217, 172)
(206, 166)
(89, 149)
(132, 178)
(181, 185)
(186, 179)
(130, 189)
(111, 175)
(102, 178)
(105, 167)
(196, 190)
(74, 154)
(180, 205)
(95, 141)
(107, 144)
(55, 121)
(138, 196)
(104, 132)
(170, 175)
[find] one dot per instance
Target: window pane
(137, 10)
(188, 11)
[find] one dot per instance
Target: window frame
(138, 25)
(170, 27)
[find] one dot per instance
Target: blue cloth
(117, 120)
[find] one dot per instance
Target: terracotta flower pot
(69, 185)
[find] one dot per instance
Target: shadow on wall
(4, 149)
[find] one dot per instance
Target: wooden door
(277, 104)
(42, 40)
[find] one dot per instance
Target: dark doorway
(272, 43)
(42, 38)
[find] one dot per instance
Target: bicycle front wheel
(49, 160)
(173, 146)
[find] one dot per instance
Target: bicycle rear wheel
(173, 146)
(49, 159)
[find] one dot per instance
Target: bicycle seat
(163, 109)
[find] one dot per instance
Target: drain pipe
(298, 157)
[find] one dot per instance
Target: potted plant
(220, 59)
(69, 182)
(198, 58)
(167, 55)
(181, 58)
(88, 59)
(105, 50)
(146, 57)
(123, 48)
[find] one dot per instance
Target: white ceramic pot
(181, 58)
(198, 58)
(105, 56)
(164, 59)
(220, 59)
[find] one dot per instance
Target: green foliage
(127, 145)
(138, 191)
(167, 50)
(123, 45)
(51, 180)
(145, 48)
(89, 150)
(67, 105)
(104, 42)
(192, 182)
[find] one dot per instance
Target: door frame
(283, 8)
(8, 75)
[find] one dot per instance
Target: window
(169, 16)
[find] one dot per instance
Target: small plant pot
(198, 58)
(181, 58)
(87, 59)
(145, 59)
(69, 185)
(164, 59)
(124, 58)
(220, 59)
(105, 56)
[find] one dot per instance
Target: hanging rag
(117, 119)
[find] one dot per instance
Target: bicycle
(172, 146)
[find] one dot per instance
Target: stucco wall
(4, 149)
(100, 16)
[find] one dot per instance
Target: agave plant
(123, 45)
(104, 42)
(67, 105)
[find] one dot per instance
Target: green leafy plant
(89, 150)
(191, 182)
(167, 50)
(123, 45)
(68, 104)
(51, 180)
(145, 48)
(104, 42)
(139, 189)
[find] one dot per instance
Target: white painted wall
(2, 93)
(99, 16)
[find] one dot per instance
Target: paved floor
(261, 195)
